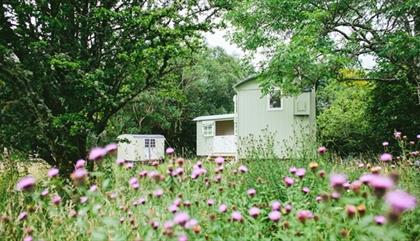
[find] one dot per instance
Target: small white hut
(141, 147)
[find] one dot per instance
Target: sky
(217, 39)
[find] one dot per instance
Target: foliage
(66, 68)
(111, 211)
(343, 123)
(203, 88)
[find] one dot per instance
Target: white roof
(215, 117)
(140, 136)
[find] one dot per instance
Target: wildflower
(53, 172)
(128, 165)
(418, 136)
(251, 192)
(170, 150)
(28, 238)
(300, 172)
(83, 199)
(355, 186)
(318, 199)
(173, 208)
(79, 176)
(191, 224)
(134, 183)
(313, 166)
(366, 178)
(288, 181)
(120, 162)
(236, 216)
(26, 183)
(337, 181)
(186, 203)
(45, 192)
(254, 212)
(80, 164)
(168, 225)
(72, 213)
(399, 201)
(288, 208)
(243, 169)
(97, 153)
(177, 202)
(275, 206)
(335, 195)
(210, 202)
(303, 215)
(180, 161)
(305, 190)
(158, 193)
(385, 143)
(351, 210)
(292, 170)
(375, 170)
(381, 184)
(361, 165)
(93, 188)
(222, 208)
(181, 218)
(155, 224)
(217, 178)
(322, 150)
(274, 216)
(182, 237)
(111, 148)
(361, 209)
(219, 160)
(397, 135)
(22, 216)
(321, 173)
(380, 220)
(56, 200)
(386, 157)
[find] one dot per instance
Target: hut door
(150, 152)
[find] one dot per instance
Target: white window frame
(269, 108)
(207, 132)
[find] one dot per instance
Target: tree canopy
(66, 68)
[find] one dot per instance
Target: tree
(310, 43)
(68, 67)
(205, 87)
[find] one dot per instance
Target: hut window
(275, 100)
(149, 143)
(208, 129)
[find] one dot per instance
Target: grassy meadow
(183, 199)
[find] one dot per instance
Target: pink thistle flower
(366, 178)
(303, 215)
(158, 193)
(322, 150)
(80, 164)
(288, 208)
(155, 224)
(337, 181)
(83, 199)
(275, 206)
(56, 200)
(318, 199)
(243, 169)
(210, 202)
(181, 218)
(53, 172)
(22, 216)
(111, 148)
(120, 162)
(335, 195)
(97, 153)
(288, 181)
(300, 172)
(355, 186)
(128, 165)
(79, 176)
(386, 157)
(191, 223)
(385, 143)
(173, 208)
(399, 201)
(397, 135)
(45, 192)
(351, 210)
(219, 160)
(168, 225)
(182, 237)
(254, 212)
(143, 173)
(28, 238)
(274, 216)
(236, 216)
(93, 188)
(170, 150)
(381, 184)
(306, 190)
(292, 170)
(26, 183)
(380, 220)
(251, 192)
(134, 183)
(217, 178)
(223, 208)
